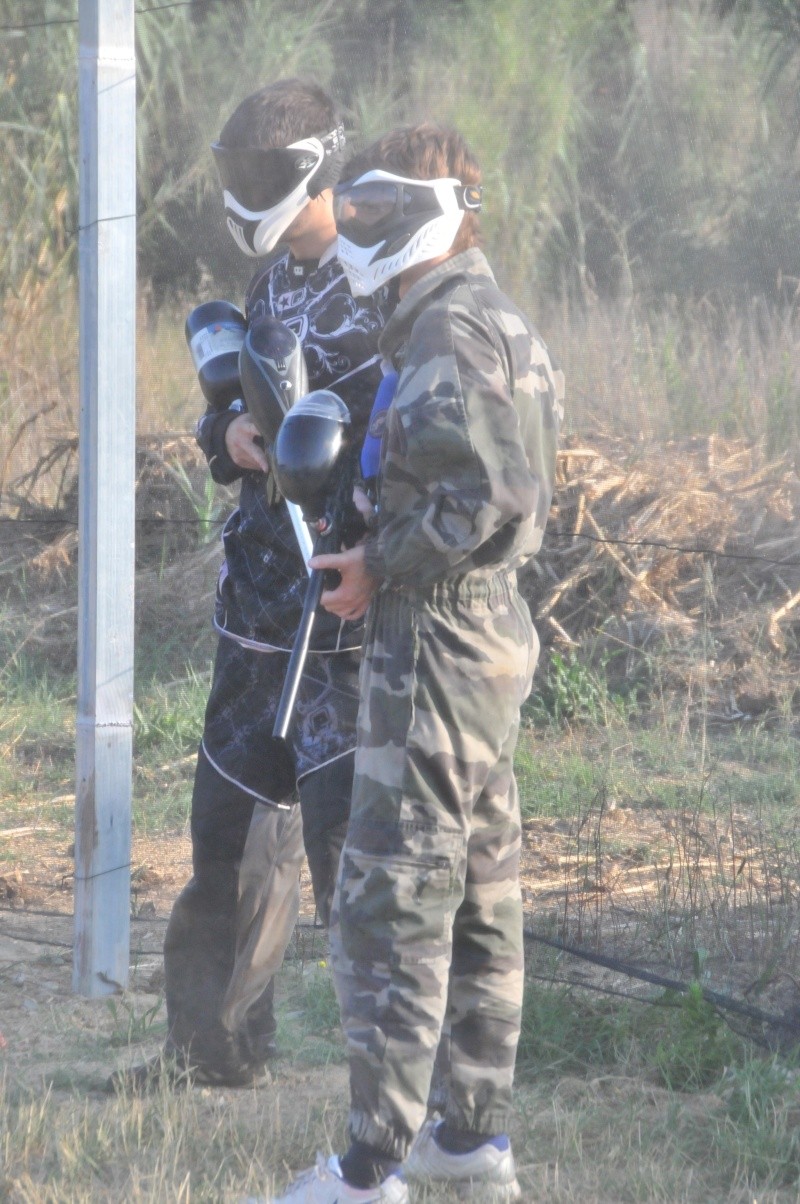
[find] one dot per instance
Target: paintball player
(426, 933)
(278, 156)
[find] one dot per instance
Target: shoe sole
(473, 1189)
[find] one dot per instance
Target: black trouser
(231, 923)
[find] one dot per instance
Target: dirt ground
(612, 902)
(37, 1003)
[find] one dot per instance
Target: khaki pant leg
(268, 905)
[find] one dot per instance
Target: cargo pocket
(395, 910)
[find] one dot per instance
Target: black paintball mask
(265, 189)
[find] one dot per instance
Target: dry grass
(623, 567)
(674, 549)
(39, 394)
(666, 886)
(633, 509)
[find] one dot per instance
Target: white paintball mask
(264, 190)
(387, 223)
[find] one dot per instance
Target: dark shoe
(159, 1071)
(262, 1050)
(166, 1070)
(244, 1075)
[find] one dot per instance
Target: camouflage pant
(427, 924)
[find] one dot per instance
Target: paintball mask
(264, 190)
(387, 223)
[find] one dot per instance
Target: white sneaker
(486, 1174)
(324, 1184)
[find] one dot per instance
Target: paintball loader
(263, 364)
(313, 468)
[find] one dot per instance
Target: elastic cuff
(483, 1122)
(369, 1131)
(223, 468)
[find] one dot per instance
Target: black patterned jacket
(262, 583)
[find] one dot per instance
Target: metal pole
(107, 280)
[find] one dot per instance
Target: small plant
(696, 1044)
(131, 1026)
(205, 502)
(169, 717)
(565, 1033)
(310, 1025)
(321, 1009)
(760, 1125)
(572, 690)
(783, 427)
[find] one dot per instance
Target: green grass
(37, 740)
(661, 762)
(615, 1102)
(37, 733)
(134, 1024)
(683, 1045)
(679, 1041)
(309, 1022)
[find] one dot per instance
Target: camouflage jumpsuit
(427, 917)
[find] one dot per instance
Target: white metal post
(107, 279)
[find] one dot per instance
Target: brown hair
(424, 152)
(280, 113)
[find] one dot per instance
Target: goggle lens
(261, 179)
(365, 204)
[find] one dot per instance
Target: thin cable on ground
(114, 869)
(715, 998)
(721, 1002)
(38, 25)
(648, 1001)
(50, 914)
(101, 221)
(671, 547)
(35, 940)
(600, 990)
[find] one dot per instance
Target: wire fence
(157, 520)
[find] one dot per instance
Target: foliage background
(641, 166)
(642, 148)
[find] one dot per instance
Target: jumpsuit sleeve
(456, 479)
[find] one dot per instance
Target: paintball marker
(314, 470)
(263, 364)
(305, 436)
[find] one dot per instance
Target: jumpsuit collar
(469, 263)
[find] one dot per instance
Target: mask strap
(470, 197)
(329, 170)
